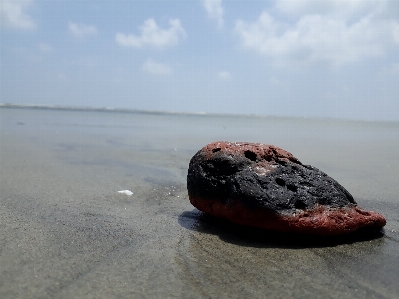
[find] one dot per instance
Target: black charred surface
(286, 187)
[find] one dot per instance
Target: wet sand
(68, 233)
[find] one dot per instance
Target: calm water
(67, 232)
(365, 154)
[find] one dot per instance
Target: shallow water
(67, 232)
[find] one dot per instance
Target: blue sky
(310, 58)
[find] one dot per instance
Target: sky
(305, 58)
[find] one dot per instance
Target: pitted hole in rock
(280, 182)
(250, 155)
(215, 150)
(292, 188)
(339, 219)
(300, 205)
(282, 162)
(304, 215)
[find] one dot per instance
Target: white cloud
(43, 47)
(81, 30)
(12, 14)
(224, 75)
(321, 31)
(215, 10)
(156, 68)
(337, 7)
(152, 35)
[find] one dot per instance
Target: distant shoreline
(160, 112)
(96, 109)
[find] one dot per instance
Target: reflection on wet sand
(242, 261)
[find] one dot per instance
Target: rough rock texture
(265, 186)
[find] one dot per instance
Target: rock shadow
(227, 231)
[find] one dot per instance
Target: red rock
(267, 187)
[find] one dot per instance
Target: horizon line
(182, 113)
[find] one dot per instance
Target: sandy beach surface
(66, 232)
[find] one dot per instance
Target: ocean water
(67, 232)
(364, 154)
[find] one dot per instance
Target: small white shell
(127, 192)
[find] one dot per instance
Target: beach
(68, 233)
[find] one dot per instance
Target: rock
(265, 186)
